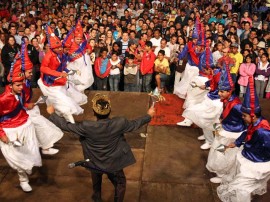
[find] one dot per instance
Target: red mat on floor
(168, 112)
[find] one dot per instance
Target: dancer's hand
(4, 139)
(50, 109)
(231, 145)
(30, 106)
(64, 74)
(202, 87)
(151, 111)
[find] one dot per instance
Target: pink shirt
(245, 71)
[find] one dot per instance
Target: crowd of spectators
(147, 34)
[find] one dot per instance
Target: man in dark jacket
(104, 144)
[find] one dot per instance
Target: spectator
(261, 75)
(162, 70)
(8, 54)
(246, 69)
(238, 58)
(102, 70)
(147, 66)
(115, 67)
(131, 74)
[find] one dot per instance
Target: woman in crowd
(262, 75)
(247, 68)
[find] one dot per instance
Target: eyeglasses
(224, 52)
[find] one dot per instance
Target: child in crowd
(147, 66)
(130, 74)
(115, 67)
(102, 70)
(162, 70)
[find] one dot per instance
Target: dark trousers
(101, 83)
(118, 180)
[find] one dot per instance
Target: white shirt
(156, 42)
(166, 49)
(115, 71)
(1, 45)
(216, 55)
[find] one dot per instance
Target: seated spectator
(162, 70)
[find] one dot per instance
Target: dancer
(19, 143)
(191, 69)
(103, 142)
(78, 58)
(251, 171)
(206, 113)
(195, 94)
(53, 81)
(232, 125)
(47, 133)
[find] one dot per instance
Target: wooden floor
(170, 166)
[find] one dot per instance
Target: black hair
(131, 56)
(149, 44)
(161, 52)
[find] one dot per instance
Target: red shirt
(97, 67)
(49, 66)
(147, 64)
(9, 103)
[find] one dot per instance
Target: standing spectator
(102, 70)
(12, 30)
(2, 40)
(124, 42)
(218, 53)
(261, 75)
(115, 67)
(246, 18)
(156, 39)
(131, 74)
(163, 46)
(8, 54)
(147, 66)
(238, 58)
(33, 54)
(266, 39)
(2, 70)
(246, 69)
(19, 35)
(251, 36)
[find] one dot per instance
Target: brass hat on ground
(101, 104)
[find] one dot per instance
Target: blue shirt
(184, 53)
(257, 149)
(234, 122)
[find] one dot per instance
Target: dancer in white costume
(53, 81)
(18, 143)
(191, 69)
(79, 58)
(195, 94)
(251, 171)
(232, 127)
(47, 133)
(206, 113)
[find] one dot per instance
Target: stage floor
(170, 166)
